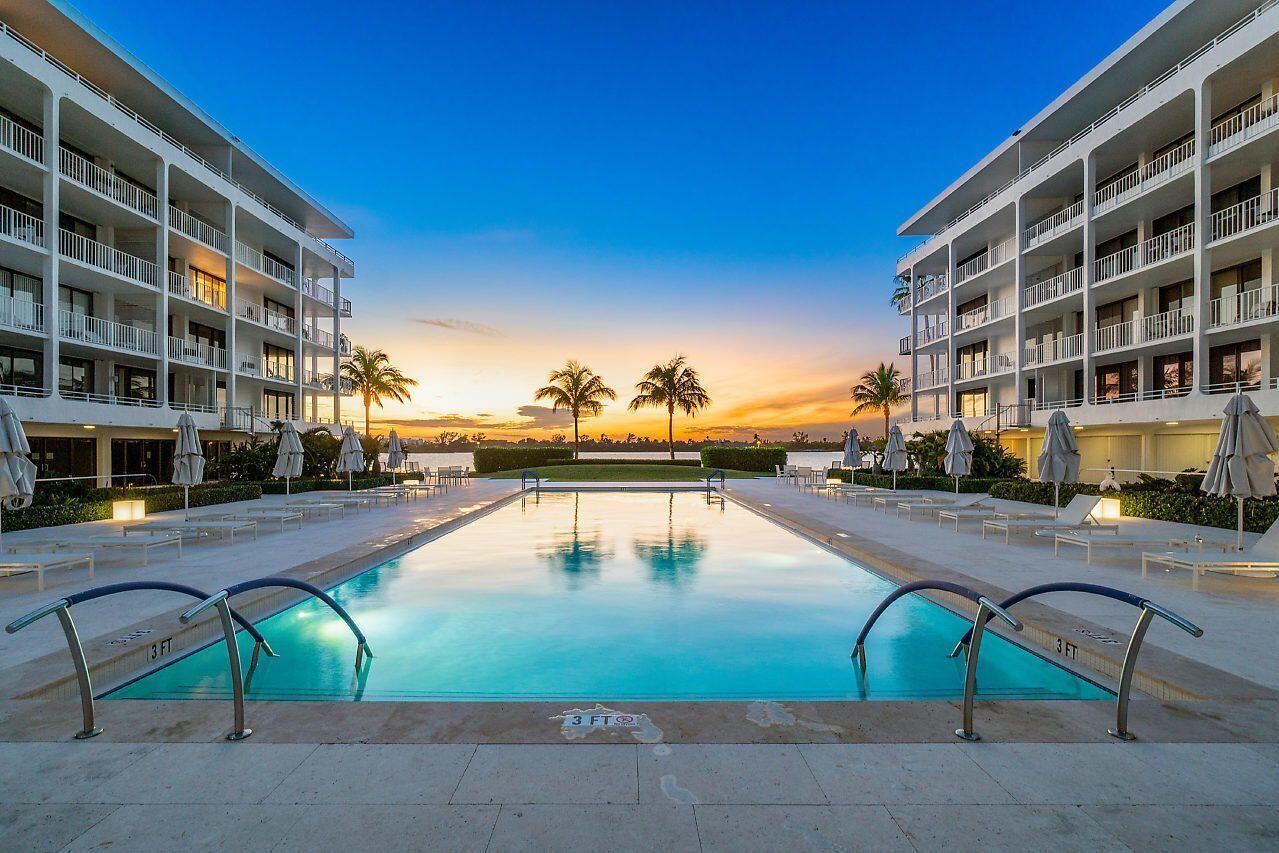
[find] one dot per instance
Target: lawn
(620, 473)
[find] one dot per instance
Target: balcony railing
(194, 352)
(903, 305)
(110, 399)
(988, 313)
(991, 366)
(324, 382)
(931, 286)
(1238, 129)
(1059, 223)
(1158, 171)
(264, 316)
(1156, 249)
(180, 285)
(1246, 215)
(1143, 330)
(317, 291)
(197, 230)
(997, 254)
(1259, 304)
(21, 227)
(903, 346)
(103, 257)
(21, 140)
(22, 315)
(936, 332)
(932, 379)
(345, 307)
(107, 333)
(345, 346)
(1059, 285)
(319, 337)
(255, 260)
(1051, 351)
(92, 176)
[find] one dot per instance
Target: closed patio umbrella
(188, 461)
(289, 456)
(852, 454)
(394, 454)
(1059, 458)
(1242, 466)
(17, 471)
(959, 452)
(351, 455)
(895, 453)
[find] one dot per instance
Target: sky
(620, 182)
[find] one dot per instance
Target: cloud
(464, 326)
(531, 418)
(543, 417)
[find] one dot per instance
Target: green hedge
(489, 459)
(761, 460)
(913, 481)
(686, 463)
(161, 500)
(364, 481)
(1039, 493)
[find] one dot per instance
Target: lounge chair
(348, 498)
(19, 562)
(981, 513)
(199, 529)
(318, 507)
(1075, 515)
(867, 494)
(891, 498)
(929, 505)
(416, 486)
(1260, 558)
(283, 516)
(1087, 541)
(139, 543)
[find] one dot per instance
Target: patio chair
(982, 513)
(19, 562)
(1260, 558)
(930, 505)
(1075, 515)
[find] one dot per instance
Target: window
(141, 461)
(75, 375)
(1116, 382)
(972, 304)
(1235, 365)
(277, 362)
(21, 203)
(1174, 373)
(1173, 221)
(135, 382)
(971, 404)
(1116, 244)
(277, 405)
(1180, 296)
(77, 226)
(1175, 144)
(1235, 111)
(206, 335)
(207, 287)
(1114, 313)
(277, 307)
(1231, 196)
(279, 260)
(20, 287)
(1231, 282)
(1115, 177)
(64, 457)
(21, 367)
(75, 300)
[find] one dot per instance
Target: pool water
(607, 596)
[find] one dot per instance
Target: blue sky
(614, 182)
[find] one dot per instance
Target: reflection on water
(576, 553)
(673, 558)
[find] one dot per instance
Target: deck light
(1172, 423)
(128, 510)
(89, 426)
(1108, 508)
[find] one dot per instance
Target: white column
(299, 402)
(162, 262)
(914, 350)
(49, 268)
(232, 353)
(1090, 253)
(1019, 320)
(950, 408)
(1203, 222)
(337, 345)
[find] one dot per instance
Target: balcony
(180, 285)
(194, 352)
(324, 382)
(1059, 223)
(1177, 242)
(98, 332)
(107, 184)
(1236, 130)
(256, 367)
(202, 232)
(931, 286)
(903, 346)
(19, 140)
(1245, 216)
(265, 317)
(1259, 304)
(903, 305)
(18, 226)
(1053, 288)
(317, 291)
(21, 315)
(991, 366)
(997, 255)
(110, 399)
(1143, 330)
(929, 334)
(255, 260)
(103, 257)
(345, 307)
(319, 337)
(988, 313)
(1158, 171)
(932, 379)
(1053, 351)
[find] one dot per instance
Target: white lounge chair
(226, 530)
(1087, 541)
(283, 516)
(1260, 558)
(931, 505)
(137, 543)
(20, 562)
(981, 513)
(891, 498)
(1075, 515)
(319, 507)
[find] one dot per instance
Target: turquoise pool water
(612, 596)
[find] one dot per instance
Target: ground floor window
(21, 367)
(277, 405)
(135, 382)
(75, 375)
(1236, 364)
(141, 461)
(64, 457)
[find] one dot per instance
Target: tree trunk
(670, 432)
(885, 424)
(577, 448)
(368, 404)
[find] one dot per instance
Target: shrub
(312, 484)
(914, 481)
(489, 459)
(160, 499)
(1039, 493)
(761, 460)
(688, 463)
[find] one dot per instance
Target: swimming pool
(612, 596)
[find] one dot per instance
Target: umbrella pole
(1056, 499)
(349, 487)
(186, 503)
(1240, 538)
(894, 479)
(956, 485)
(288, 483)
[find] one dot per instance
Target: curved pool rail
(526, 475)
(1148, 610)
(985, 610)
(62, 608)
(717, 474)
(221, 599)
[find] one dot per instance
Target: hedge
(1039, 493)
(761, 460)
(686, 463)
(489, 459)
(364, 481)
(56, 515)
(914, 481)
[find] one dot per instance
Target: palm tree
(578, 390)
(374, 378)
(878, 389)
(901, 293)
(673, 385)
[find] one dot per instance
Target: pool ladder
(970, 643)
(229, 619)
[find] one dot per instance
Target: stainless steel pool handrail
(723, 479)
(1148, 609)
(525, 476)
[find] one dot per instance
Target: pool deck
(694, 776)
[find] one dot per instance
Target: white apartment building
(150, 262)
(1116, 256)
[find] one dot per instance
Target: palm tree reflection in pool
(672, 560)
(577, 554)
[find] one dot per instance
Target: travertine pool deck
(697, 776)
